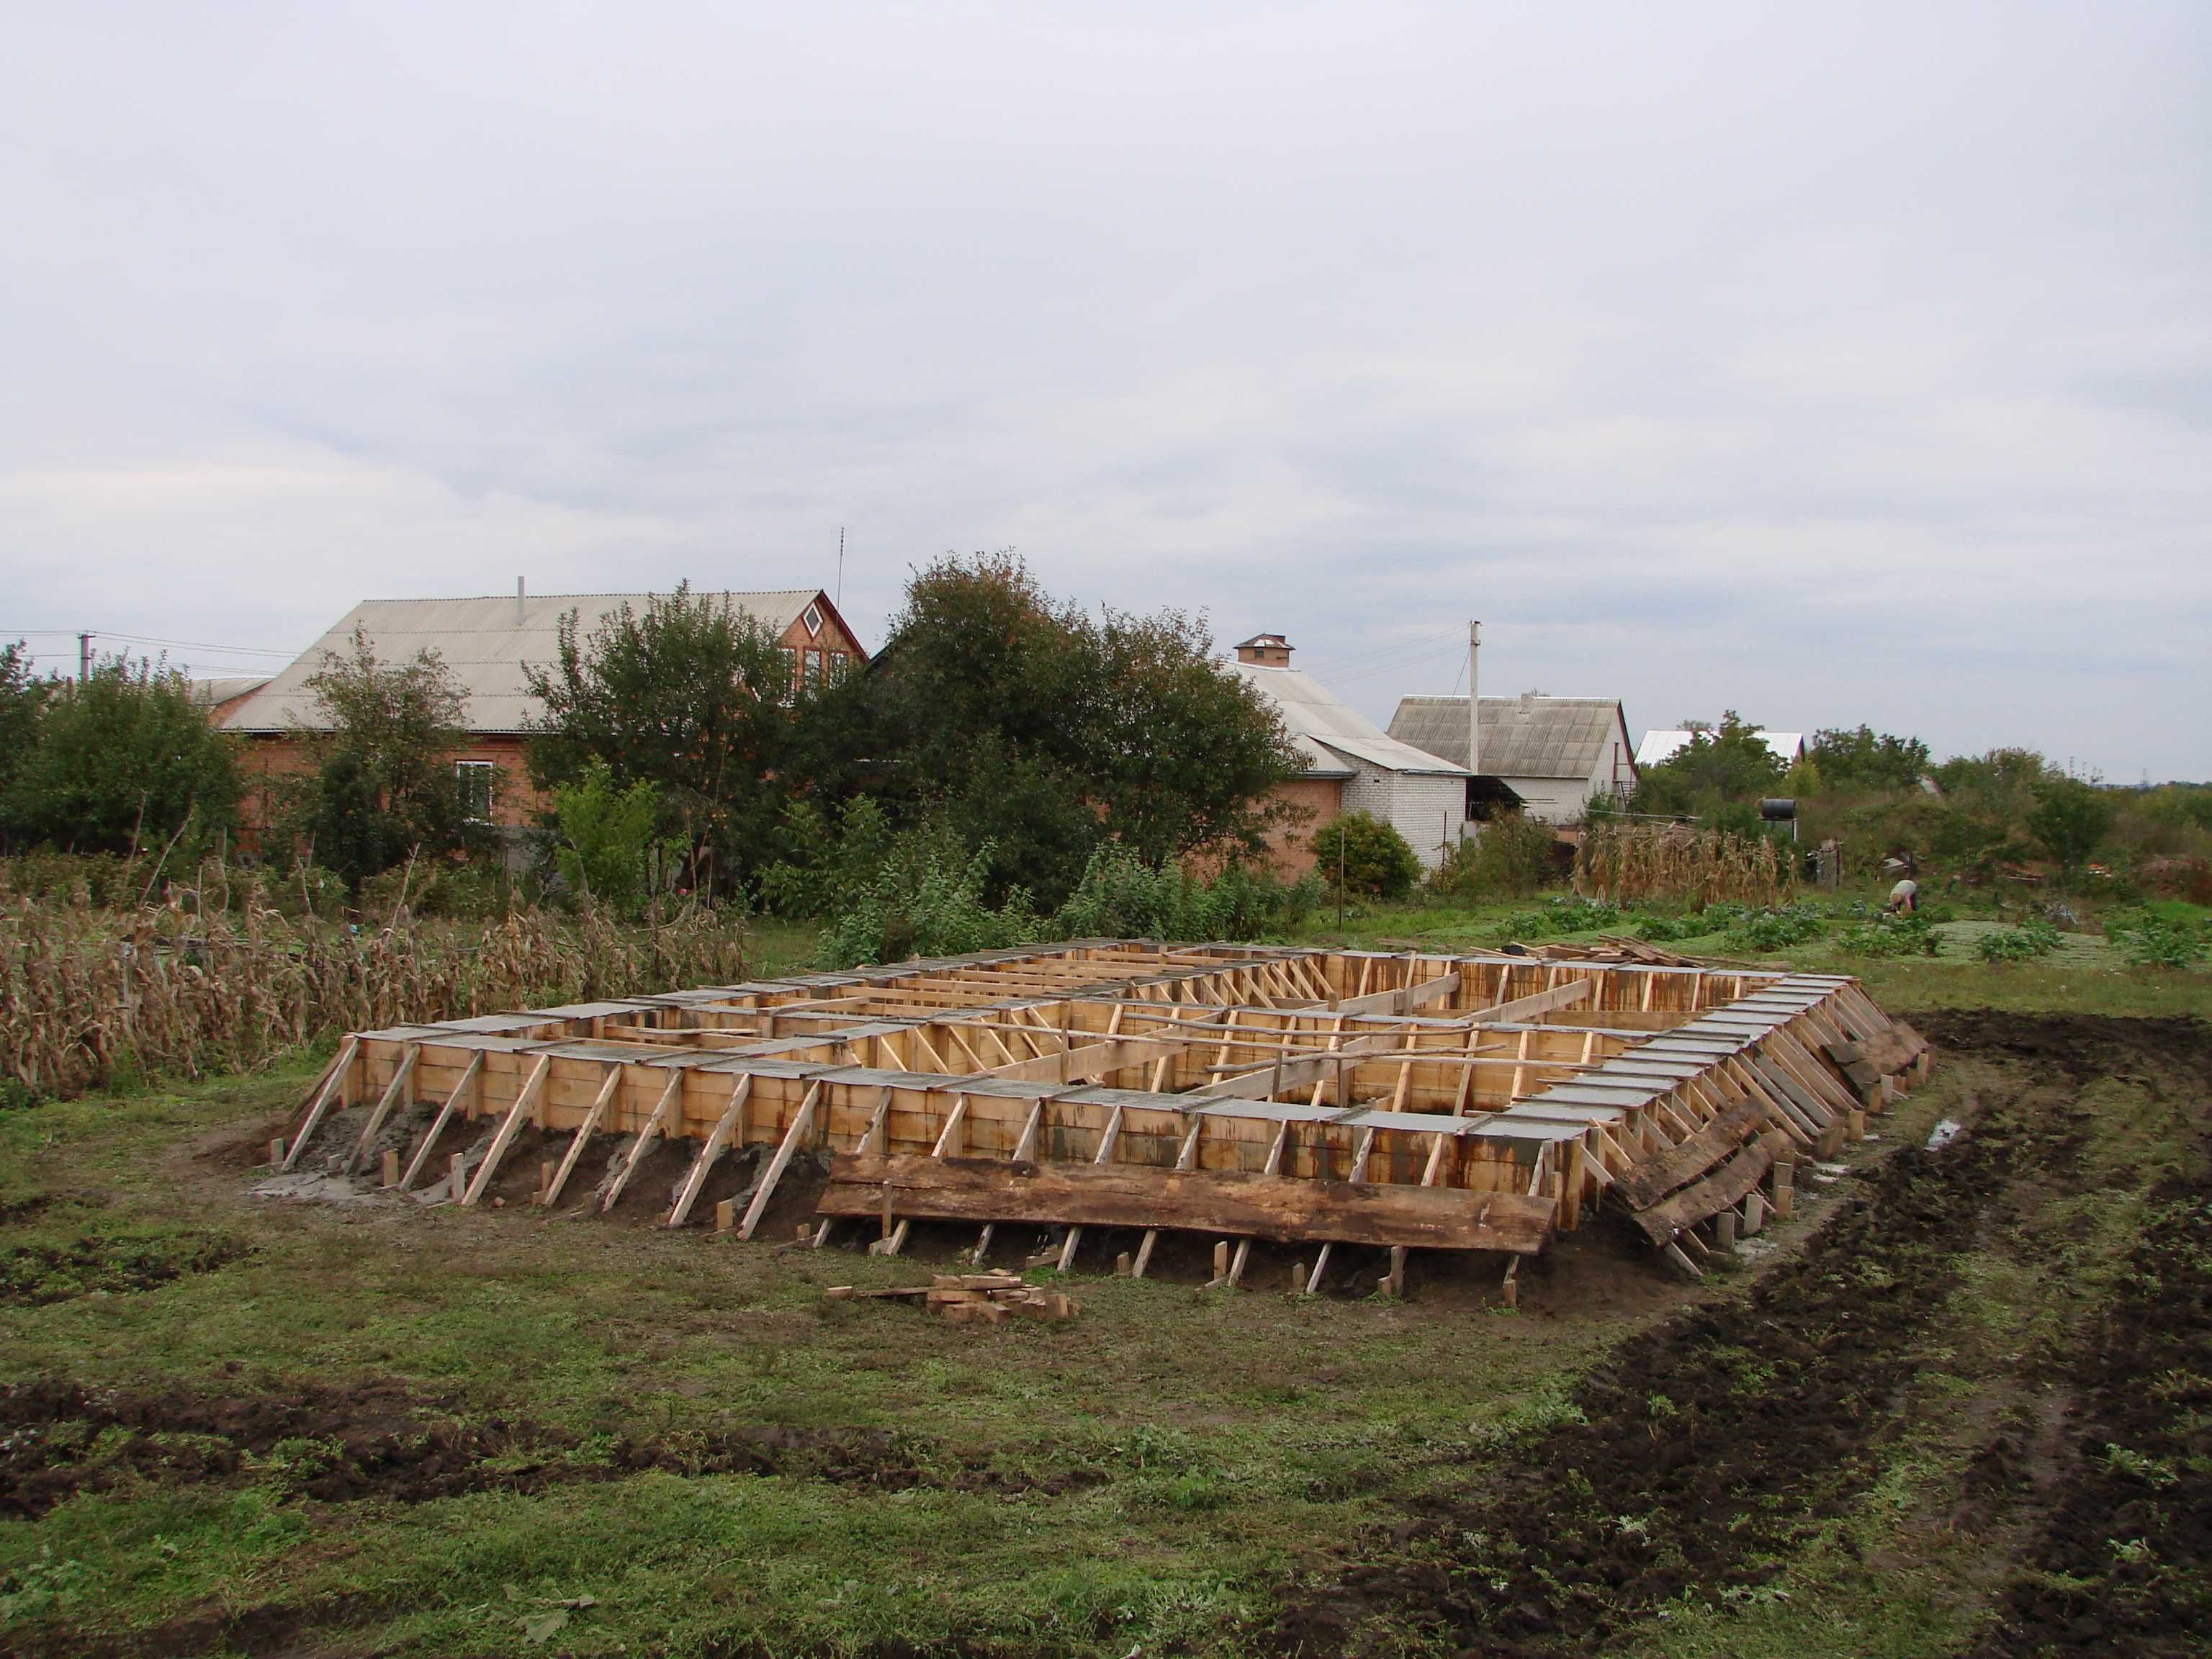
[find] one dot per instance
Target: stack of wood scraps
(985, 1298)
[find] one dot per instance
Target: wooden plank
(1274, 1166)
(664, 1112)
(793, 1137)
(1644, 1184)
(1532, 1007)
(1403, 1000)
(333, 1086)
(504, 1136)
(1124, 1195)
(1713, 1194)
(585, 1130)
(390, 1098)
(421, 1154)
(718, 1140)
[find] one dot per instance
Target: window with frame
(813, 617)
(794, 670)
(472, 782)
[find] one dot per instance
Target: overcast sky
(1832, 364)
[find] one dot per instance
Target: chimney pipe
(1474, 701)
(518, 618)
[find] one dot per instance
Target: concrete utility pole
(1474, 701)
(83, 658)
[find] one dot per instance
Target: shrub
(2029, 940)
(2069, 819)
(1776, 930)
(2155, 940)
(1121, 896)
(1508, 857)
(608, 853)
(938, 911)
(1371, 856)
(1566, 913)
(1907, 935)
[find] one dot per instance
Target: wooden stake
(793, 1137)
(391, 1167)
(592, 1120)
(665, 1110)
(504, 1135)
(474, 1069)
(333, 1086)
(400, 1075)
(726, 1128)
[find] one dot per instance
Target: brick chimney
(1268, 650)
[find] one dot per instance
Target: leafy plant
(1776, 930)
(2069, 819)
(2154, 940)
(1371, 857)
(1907, 935)
(608, 852)
(2031, 939)
(940, 911)
(1510, 856)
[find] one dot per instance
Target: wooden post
(725, 1215)
(1755, 1212)
(333, 1088)
(1725, 1229)
(592, 1120)
(421, 1156)
(525, 1102)
(793, 1137)
(391, 1167)
(1854, 1130)
(276, 1153)
(1121, 1265)
(1785, 1177)
(400, 1075)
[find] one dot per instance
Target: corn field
(89, 997)
(1626, 863)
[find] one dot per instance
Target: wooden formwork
(1406, 1100)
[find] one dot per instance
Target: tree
(123, 755)
(1864, 759)
(1723, 763)
(690, 694)
(1371, 856)
(1021, 720)
(23, 698)
(608, 851)
(382, 787)
(2069, 819)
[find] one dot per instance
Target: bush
(1121, 896)
(1776, 930)
(1567, 913)
(2155, 940)
(1509, 857)
(938, 911)
(1907, 935)
(2032, 939)
(608, 853)
(1372, 857)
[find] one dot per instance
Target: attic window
(812, 618)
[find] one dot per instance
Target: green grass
(1162, 1459)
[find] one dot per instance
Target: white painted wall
(1430, 813)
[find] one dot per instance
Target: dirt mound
(1710, 1448)
(378, 1439)
(32, 1275)
(2124, 1562)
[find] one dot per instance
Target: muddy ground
(1716, 1446)
(1714, 1452)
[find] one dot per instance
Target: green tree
(23, 697)
(382, 788)
(1862, 758)
(1372, 857)
(1719, 765)
(690, 694)
(123, 755)
(1020, 720)
(608, 850)
(2069, 819)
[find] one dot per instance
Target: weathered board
(1281, 1208)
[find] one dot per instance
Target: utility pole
(841, 567)
(83, 658)
(1474, 701)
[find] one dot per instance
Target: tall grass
(90, 997)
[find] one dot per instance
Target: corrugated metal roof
(1522, 737)
(221, 688)
(1660, 746)
(484, 641)
(1330, 732)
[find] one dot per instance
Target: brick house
(485, 643)
(1351, 765)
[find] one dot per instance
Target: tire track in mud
(1713, 1446)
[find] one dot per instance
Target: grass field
(239, 1425)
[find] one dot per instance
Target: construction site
(1074, 1104)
